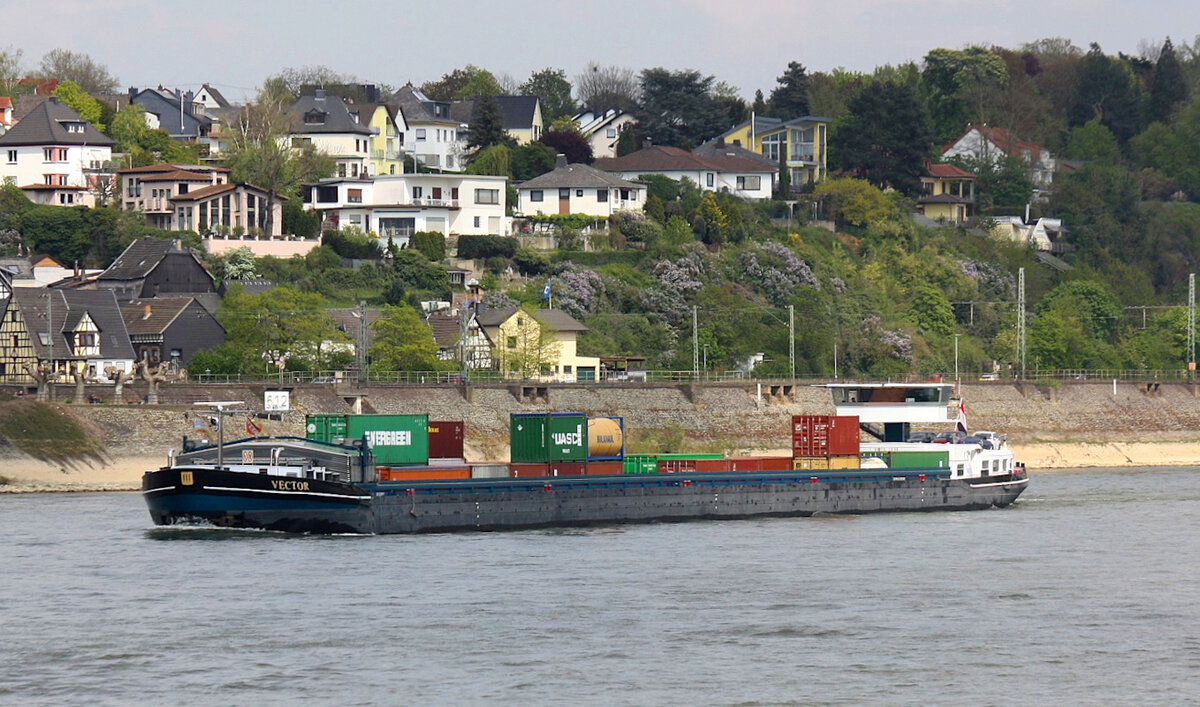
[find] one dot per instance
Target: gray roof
(20, 268)
(517, 111)
(577, 175)
(337, 118)
(140, 258)
(155, 315)
(417, 108)
(718, 149)
(45, 125)
(555, 319)
(67, 309)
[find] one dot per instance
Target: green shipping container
(641, 464)
(325, 428)
(918, 460)
(548, 437)
(396, 440)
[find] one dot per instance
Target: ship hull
(507, 504)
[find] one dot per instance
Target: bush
(486, 246)
(430, 243)
(352, 243)
(530, 261)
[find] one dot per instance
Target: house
(446, 325)
(521, 116)
(603, 129)
(210, 99)
(990, 145)
(170, 329)
(947, 193)
(1044, 234)
(62, 328)
(802, 141)
(153, 268)
(331, 126)
(173, 112)
(579, 189)
(355, 324)
(6, 114)
(434, 137)
(56, 155)
(387, 137)
(200, 198)
(725, 168)
(396, 206)
(39, 271)
(542, 348)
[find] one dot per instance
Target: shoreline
(124, 473)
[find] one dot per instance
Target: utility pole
(1021, 320)
(362, 342)
(1191, 333)
(956, 359)
(50, 338)
(695, 343)
(792, 338)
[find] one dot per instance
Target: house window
(624, 195)
(487, 196)
(476, 222)
(12, 156)
(579, 192)
(342, 169)
(454, 193)
(749, 183)
(418, 192)
(709, 179)
(512, 342)
(183, 188)
(610, 133)
(420, 134)
(602, 195)
(354, 170)
(536, 194)
(567, 370)
(354, 196)
(66, 199)
(436, 192)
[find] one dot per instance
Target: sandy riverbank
(125, 473)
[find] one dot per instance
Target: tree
(10, 70)
(949, 75)
(463, 84)
(885, 139)
(402, 341)
(1092, 142)
(87, 107)
(495, 160)
(930, 310)
(530, 160)
(553, 91)
(431, 244)
(280, 323)
(853, 201)
(487, 125)
(129, 128)
(1174, 150)
(292, 82)
(66, 65)
(678, 108)
(574, 146)
(1107, 91)
(790, 98)
(415, 271)
(759, 107)
(601, 88)
(1168, 88)
(239, 264)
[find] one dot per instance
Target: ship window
(960, 470)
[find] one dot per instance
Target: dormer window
(314, 117)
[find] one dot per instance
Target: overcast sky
(235, 44)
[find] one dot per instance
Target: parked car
(954, 437)
(925, 436)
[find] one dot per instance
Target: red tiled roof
(166, 167)
(1004, 140)
(948, 171)
(204, 192)
(661, 159)
(178, 175)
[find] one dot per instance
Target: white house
(602, 130)
(721, 168)
(579, 189)
(989, 144)
(431, 134)
(55, 155)
(332, 127)
(396, 206)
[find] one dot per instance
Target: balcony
(385, 154)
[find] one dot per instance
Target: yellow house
(537, 345)
(387, 137)
(947, 193)
(804, 139)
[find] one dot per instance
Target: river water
(1085, 591)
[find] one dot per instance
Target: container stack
(825, 442)
(565, 444)
(400, 444)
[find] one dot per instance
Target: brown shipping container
(824, 435)
(445, 439)
(440, 473)
(712, 466)
(675, 466)
(760, 464)
(568, 468)
(605, 468)
(524, 470)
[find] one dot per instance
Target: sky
(235, 44)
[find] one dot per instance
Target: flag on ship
(252, 429)
(962, 417)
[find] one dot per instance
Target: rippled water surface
(1085, 591)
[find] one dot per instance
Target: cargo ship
(378, 475)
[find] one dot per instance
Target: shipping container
(606, 438)
(850, 461)
(325, 428)
(489, 471)
(712, 466)
(423, 473)
(640, 464)
(544, 437)
(523, 470)
(610, 468)
(824, 435)
(396, 440)
(446, 439)
(919, 460)
(689, 455)
(810, 463)
(568, 468)
(760, 463)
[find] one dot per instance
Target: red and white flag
(962, 417)
(252, 429)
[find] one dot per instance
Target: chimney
(145, 312)
(319, 94)
(132, 92)
(647, 143)
(720, 142)
(560, 160)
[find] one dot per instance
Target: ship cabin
(896, 406)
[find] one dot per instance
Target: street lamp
(956, 358)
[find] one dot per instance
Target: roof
(153, 316)
(554, 319)
(1004, 140)
(947, 171)
(67, 309)
(671, 159)
(205, 192)
(418, 108)
(517, 111)
(25, 104)
(166, 167)
(719, 149)
(45, 125)
(216, 96)
(20, 267)
(577, 175)
(446, 328)
(177, 175)
(140, 258)
(337, 118)
(349, 320)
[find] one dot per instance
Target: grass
(48, 433)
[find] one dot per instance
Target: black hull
(226, 499)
